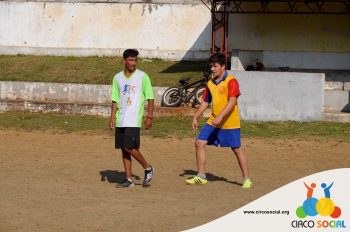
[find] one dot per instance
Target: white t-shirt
(130, 94)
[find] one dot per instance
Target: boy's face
(217, 70)
(130, 63)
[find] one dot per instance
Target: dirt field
(53, 182)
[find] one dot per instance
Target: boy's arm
(149, 117)
(112, 118)
(232, 101)
(204, 105)
(148, 92)
(114, 107)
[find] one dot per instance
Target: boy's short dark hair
(130, 53)
(218, 58)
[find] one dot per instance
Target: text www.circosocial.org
(285, 212)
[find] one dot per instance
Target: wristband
(149, 117)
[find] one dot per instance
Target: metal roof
(280, 6)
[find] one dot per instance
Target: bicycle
(187, 93)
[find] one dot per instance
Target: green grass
(100, 70)
(92, 70)
(179, 127)
(57, 122)
(297, 130)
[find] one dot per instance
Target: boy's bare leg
(138, 156)
(127, 164)
(200, 155)
(242, 160)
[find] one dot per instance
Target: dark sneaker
(148, 176)
(125, 184)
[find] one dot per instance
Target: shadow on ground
(114, 176)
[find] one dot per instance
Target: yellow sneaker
(196, 180)
(247, 183)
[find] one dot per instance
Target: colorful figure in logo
(327, 193)
(309, 205)
(310, 190)
(324, 206)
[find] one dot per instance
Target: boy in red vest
(223, 126)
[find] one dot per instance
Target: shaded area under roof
(220, 11)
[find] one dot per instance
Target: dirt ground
(66, 182)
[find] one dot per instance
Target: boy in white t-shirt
(130, 88)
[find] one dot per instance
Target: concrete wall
(337, 100)
(59, 97)
(293, 33)
(56, 107)
(300, 41)
(179, 29)
(61, 92)
(293, 60)
(270, 96)
(171, 31)
(266, 96)
(337, 96)
(55, 92)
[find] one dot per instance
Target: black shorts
(127, 137)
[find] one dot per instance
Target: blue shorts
(223, 137)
